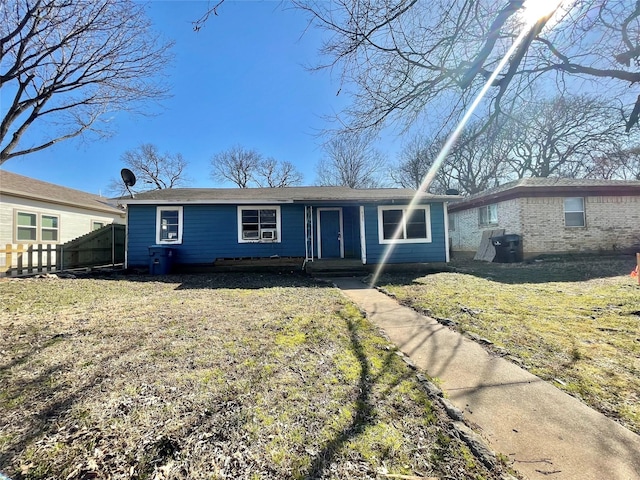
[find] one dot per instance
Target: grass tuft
(225, 376)
(570, 321)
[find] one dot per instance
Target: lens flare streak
(426, 182)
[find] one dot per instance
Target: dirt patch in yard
(221, 376)
(573, 321)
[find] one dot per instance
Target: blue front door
(330, 235)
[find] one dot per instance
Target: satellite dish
(452, 191)
(128, 177)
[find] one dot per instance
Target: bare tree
(246, 167)
(237, 165)
(153, 170)
(562, 137)
(479, 160)
(410, 58)
(352, 161)
(65, 64)
(475, 163)
(272, 173)
(413, 163)
(417, 158)
(620, 165)
(572, 136)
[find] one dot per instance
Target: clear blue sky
(240, 80)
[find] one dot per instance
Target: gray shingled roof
(555, 183)
(548, 187)
(277, 195)
(26, 187)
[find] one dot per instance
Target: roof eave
(250, 201)
(100, 208)
(134, 201)
(523, 191)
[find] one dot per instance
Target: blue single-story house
(204, 226)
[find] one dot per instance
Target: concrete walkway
(546, 433)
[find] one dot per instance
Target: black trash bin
(508, 248)
(160, 259)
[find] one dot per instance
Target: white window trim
(565, 211)
(178, 240)
(38, 227)
(260, 207)
(404, 208)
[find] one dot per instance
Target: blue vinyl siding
(141, 233)
(407, 252)
(211, 232)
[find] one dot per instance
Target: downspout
(363, 237)
(445, 208)
(126, 238)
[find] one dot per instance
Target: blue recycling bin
(160, 259)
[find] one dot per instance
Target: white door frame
(319, 227)
(363, 237)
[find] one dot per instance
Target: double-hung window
(48, 228)
(574, 212)
(410, 226)
(34, 227)
(488, 215)
(26, 227)
(169, 225)
(258, 224)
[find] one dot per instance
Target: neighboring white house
(37, 212)
(552, 215)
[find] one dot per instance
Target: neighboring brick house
(553, 215)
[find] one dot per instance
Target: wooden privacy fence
(101, 247)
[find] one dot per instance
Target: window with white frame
(574, 212)
(411, 226)
(169, 225)
(35, 227)
(258, 224)
(488, 214)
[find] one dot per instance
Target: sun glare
(534, 10)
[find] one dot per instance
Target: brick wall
(467, 233)
(611, 223)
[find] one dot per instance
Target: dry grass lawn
(572, 321)
(217, 377)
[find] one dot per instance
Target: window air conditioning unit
(268, 234)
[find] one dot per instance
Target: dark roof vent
(452, 191)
